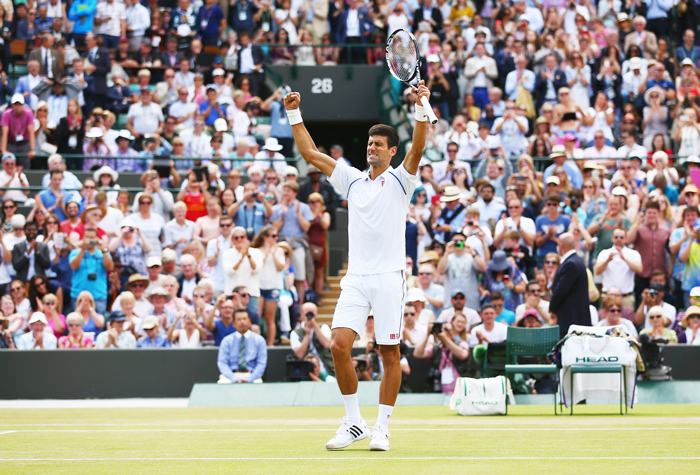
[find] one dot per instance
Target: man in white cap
(280, 128)
(11, 176)
(127, 156)
(37, 338)
(17, 123)
(558, 156)
(153, 337)
(223, 86)
(270, 156)
(227, 141)
(154, 266)
(632, 80)
(452, 215)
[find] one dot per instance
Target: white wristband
(294, 117)
(421, 116)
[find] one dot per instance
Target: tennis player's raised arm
(415, 153)
(303, 139)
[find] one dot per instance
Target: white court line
(378, 458)
(399, 429)
(8, 432)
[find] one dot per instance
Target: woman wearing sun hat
(691, 323)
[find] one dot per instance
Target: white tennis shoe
(379, 440)
(348, 433)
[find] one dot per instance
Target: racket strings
(402, 56)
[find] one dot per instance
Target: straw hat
(90, 209)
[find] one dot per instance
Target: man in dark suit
(48, 58)
(171, 56)
(98, 67)
(30, 250)
(570, 304)
(426, 12)
(549, 81)
(251, 62)
(356, 31)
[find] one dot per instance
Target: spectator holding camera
(461, 265)
(650, 239)
(653, 296)
(450, 352)
(223, 326)
(311, 339)
(90, 264)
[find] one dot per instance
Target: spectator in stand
(533, 302)
(153, 338)
(657, 328)
(612, 307)
(652, 297)
(691, 324)
(619, 266)
(505, 316)
(434, 293)
(502, 276)
(317, 239)
(90, 265)
(270, 275)
(558, 156)
(525, 227)
(30, 257)
(461, 264)
(242, 265)
(12, 176)
(550, 227)
(413, 331)
(311, 338)
(511, 128)
(150, 225)
(115, 336)
(650, 239)
(76, 337)
(37, 338)
(243, 354)
(20, 137)
(293, 219)
(191, 334)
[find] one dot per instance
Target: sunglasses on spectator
(654, 317)
(317, 201)
(75, 325)
(50, 302)
(272, 235)
(146, 202)
(695, 315)
(425, 273)
(551, 262)
(225, 225)
(552, 204)
(614, 310)
(9, 206)
(588, 186)
(459, 297)
(451, 150)
(409, 314)
(534, 291)
(201, 296)
(138, 285)
(513, 207)
(14, 289)
(236, 238)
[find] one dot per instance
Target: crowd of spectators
(608, 94)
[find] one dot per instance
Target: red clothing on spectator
(652, 245)
(80, 229)
(17, 126)
(67, 228)
(196, 207)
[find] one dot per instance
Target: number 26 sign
(321, 86)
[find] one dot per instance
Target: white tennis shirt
(377, 212)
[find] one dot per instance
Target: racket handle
(428, 110)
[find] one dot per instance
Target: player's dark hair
(392, 136)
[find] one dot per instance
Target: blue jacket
(82, 12)
(366, 25)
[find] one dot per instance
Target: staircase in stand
(330, 297)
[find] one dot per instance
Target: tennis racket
(404, 63)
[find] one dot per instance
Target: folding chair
(600, 368)
(532, 342)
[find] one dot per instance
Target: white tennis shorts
(384, 294)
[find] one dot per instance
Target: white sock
(352, 407)
(384, 416)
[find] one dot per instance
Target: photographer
(308, 338)
(250, 212)
(90, 264)
(461, 265)
(653, 297)
(450, 362)
(6, 341)
(94, 146)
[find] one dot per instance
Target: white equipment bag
(481, 397)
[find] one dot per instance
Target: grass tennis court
(653, 439)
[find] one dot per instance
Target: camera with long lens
(652, 353)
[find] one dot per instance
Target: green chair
(495, 360)
(600, 368)
(532, 342)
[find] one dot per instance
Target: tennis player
(378, 202)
